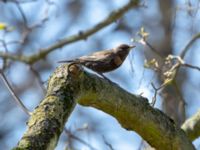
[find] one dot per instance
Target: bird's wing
(97, 56)
(69, 61)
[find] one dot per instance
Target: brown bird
(105, 60)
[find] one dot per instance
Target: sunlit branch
(65, 89)
(192, 126)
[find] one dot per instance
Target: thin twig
(184, 51)
(191, 66)
(6, 50)
(37, 75)
(78, 139)
(153, 49)
(21, 12)
(182, 102)
(107, 143)
(16, 98)
(11, 42)
(155, 95)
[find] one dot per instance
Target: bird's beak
(132, 46)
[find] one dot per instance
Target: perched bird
(103, 61)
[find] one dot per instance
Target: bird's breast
(104, 66)
(117, 61)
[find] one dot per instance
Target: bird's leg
(101, 74)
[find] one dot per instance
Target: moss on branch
(133, 112)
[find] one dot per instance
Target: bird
(103, 61)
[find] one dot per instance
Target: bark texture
(133, 112)
(192, 126)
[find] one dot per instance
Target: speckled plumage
(105, 60)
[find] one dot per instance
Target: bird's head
(125, 47)
(123, 50)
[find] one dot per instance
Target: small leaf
(6, 27)
(151, 64)
(168, 81)
(3, 26)
(143, 33)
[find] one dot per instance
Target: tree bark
(192, 126)
(132, 111)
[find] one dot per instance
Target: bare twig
(6, 50)
(68, 132)
(21, 12)
(153, 49)
(191, 66)
(141, 145)
(155, 95)
(181, 63)
(182, 102)
(37, 75)
(107, 143)
(11, 42)
(14, 57)
(184, 51)
(16, 98)
(172, 72)
(6, 82)
(156, 92)
(144, 35)
(45, 17)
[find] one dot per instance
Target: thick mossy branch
(192, 126)
(133, 112)
(48, 119)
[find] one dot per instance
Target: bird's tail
(65, 61)
(76, 61)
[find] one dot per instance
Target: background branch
(82, 35)
(189, 44)
(16, 98)
(192, 126)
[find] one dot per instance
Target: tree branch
(133, 112)
(82, 35)
(192, 126)
(191, 66)
(16, 98)
(184, 51)
(6, 55)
